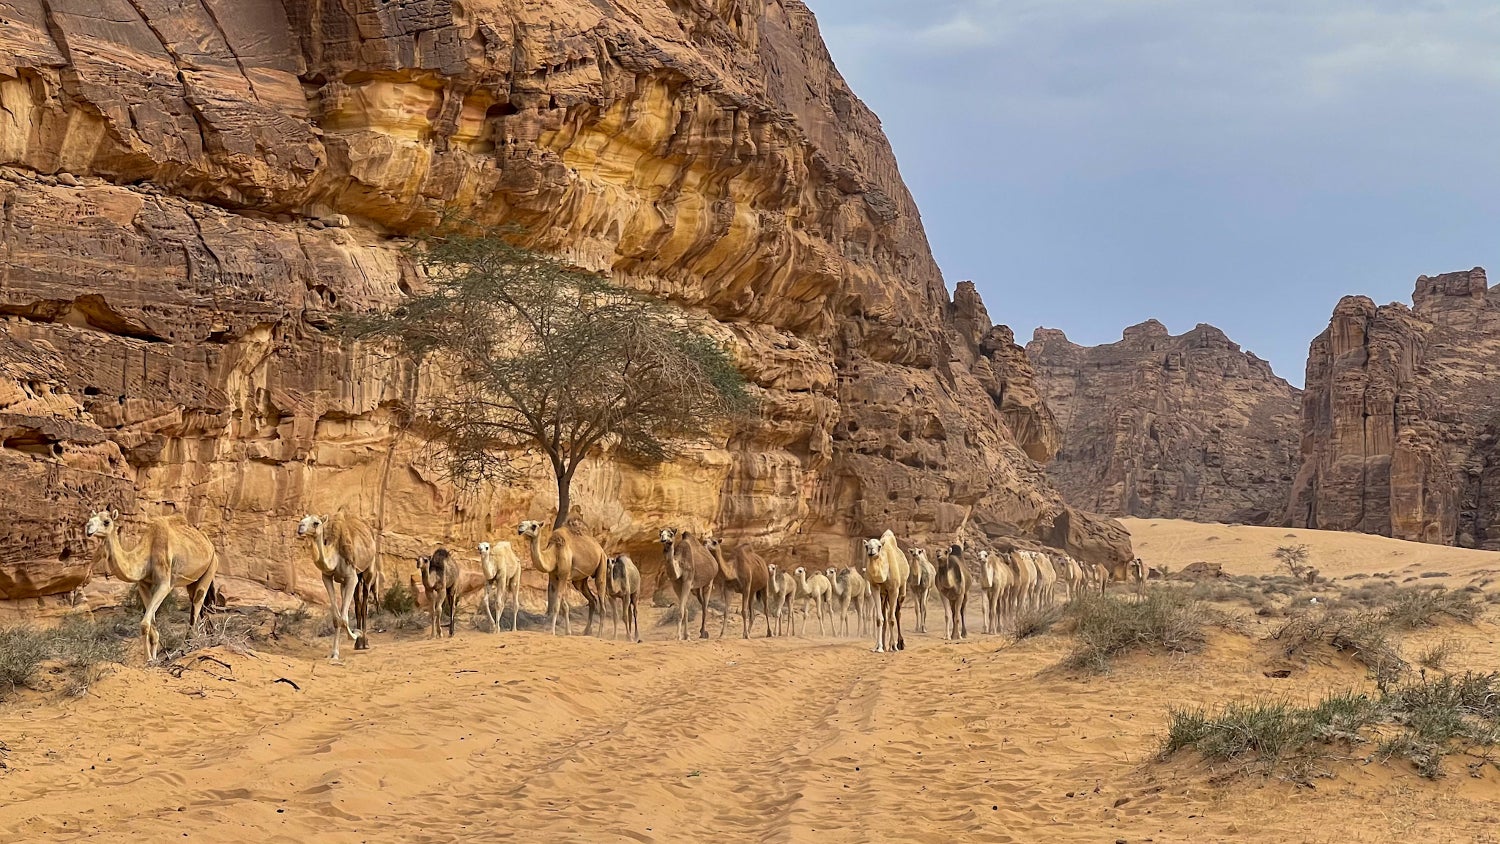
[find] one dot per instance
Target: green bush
(1163, 620)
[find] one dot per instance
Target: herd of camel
(172, 553)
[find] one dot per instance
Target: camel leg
(197, 591)
(515, 604)
(490, 588)
(963, 615)
(333, 610)
(880, 616)
(148, 618)
(703, 611)
(348, 588)
(452, 603)
(552, 603)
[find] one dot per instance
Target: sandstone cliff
(191, 188)
(1401, 417)
(1157, 426)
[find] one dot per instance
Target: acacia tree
(1294, 557)
(549, 356)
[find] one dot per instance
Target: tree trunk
(564, 494)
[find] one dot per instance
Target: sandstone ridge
(191, 189)
(1399, 421)
(1163, 426)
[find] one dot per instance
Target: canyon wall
(1401, 417)
(1174, 427)
(190, 189)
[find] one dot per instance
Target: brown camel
(692, 571)
(749, 575)
(953, 586)
(344, 552)
(570, 557)
(171, 553)
(502, 577)
(622, 586)
(888, 571)
(440, 573)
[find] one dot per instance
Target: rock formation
(1401, 417)
(1157, 426)
(190, 189)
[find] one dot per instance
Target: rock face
(1401, 418)
(190, 189)
(1157, 426)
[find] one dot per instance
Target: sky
(1091, 164)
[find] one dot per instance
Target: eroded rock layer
(1401, 418)
(192, 188)
(1174, 427)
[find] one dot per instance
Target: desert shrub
(1438, 655)
(398, 600)
(1031, 622)
(86, 644)
(1366, 637)
(1419, 721)
(1164, 620)
(1412, 609)
(1427, 574)
(1432, 718)
(22, 649)
(1294, 557)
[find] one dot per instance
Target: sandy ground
(526, 737)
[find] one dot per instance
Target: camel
(1046, 585)
(818, 589)
(888, 572)
(1069, 574)
(748, 575)
(782, 589)
(851, 589)
(1097, 576)
(343, 549)
(171, 553)
(570, 557)
(953, 587)
(1020, 596)
(692, 572)
(996, 580)
(920, 585)
(502, 577)
(441, 573)
(622, 586)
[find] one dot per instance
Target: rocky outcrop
(191, 189)
(1401, 418)
(1162, 426)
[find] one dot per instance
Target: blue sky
(1094, 163)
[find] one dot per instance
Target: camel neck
(320, 553)
(129, 566)
(537, 557)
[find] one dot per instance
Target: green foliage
(1433, 719)
(398, 600)
(1163, 620)
(551, 357)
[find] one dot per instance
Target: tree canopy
(553, 357)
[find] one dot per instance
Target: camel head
(667, 536)
(102, 523)
(528, 528)
(983, 555)
(774, 570)
(310, 526)
(484, 548)
(713, 544)
(800, 573)
(872, 548)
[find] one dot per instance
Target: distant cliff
(1401, 418)
(1162, 426)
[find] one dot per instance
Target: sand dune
(1244, 549)
(526, 737)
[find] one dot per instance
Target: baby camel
(816, 589)
(781, 591)
(171, 553)
(440, 576)
(920, 585)
(622, 585)
(502, 577)
(953, 586)
(850, 589)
